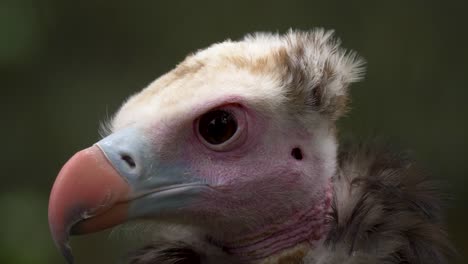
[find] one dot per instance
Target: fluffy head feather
(306, 73)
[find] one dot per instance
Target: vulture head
(239, 141)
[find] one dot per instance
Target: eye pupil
(217, 126)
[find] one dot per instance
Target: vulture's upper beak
(118, 178)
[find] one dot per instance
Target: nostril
(129, 160)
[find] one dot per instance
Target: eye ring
(221, 129)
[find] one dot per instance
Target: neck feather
(307, 226)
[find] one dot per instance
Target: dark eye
(217, 126)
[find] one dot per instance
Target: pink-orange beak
(118, 179)
(87, 186)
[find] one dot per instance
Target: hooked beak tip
(61, 240)
(87, 186)
(66, 252)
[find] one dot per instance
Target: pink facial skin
(258, 181)
(254, 180)
(307, 225)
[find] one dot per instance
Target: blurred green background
(67, 65)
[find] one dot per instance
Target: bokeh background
(66, 65)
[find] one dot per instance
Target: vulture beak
(117, 179)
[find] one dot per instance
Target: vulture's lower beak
(117, 179)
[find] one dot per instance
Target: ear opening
(297, 153)
(319, 72)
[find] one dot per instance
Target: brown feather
(386, 210)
